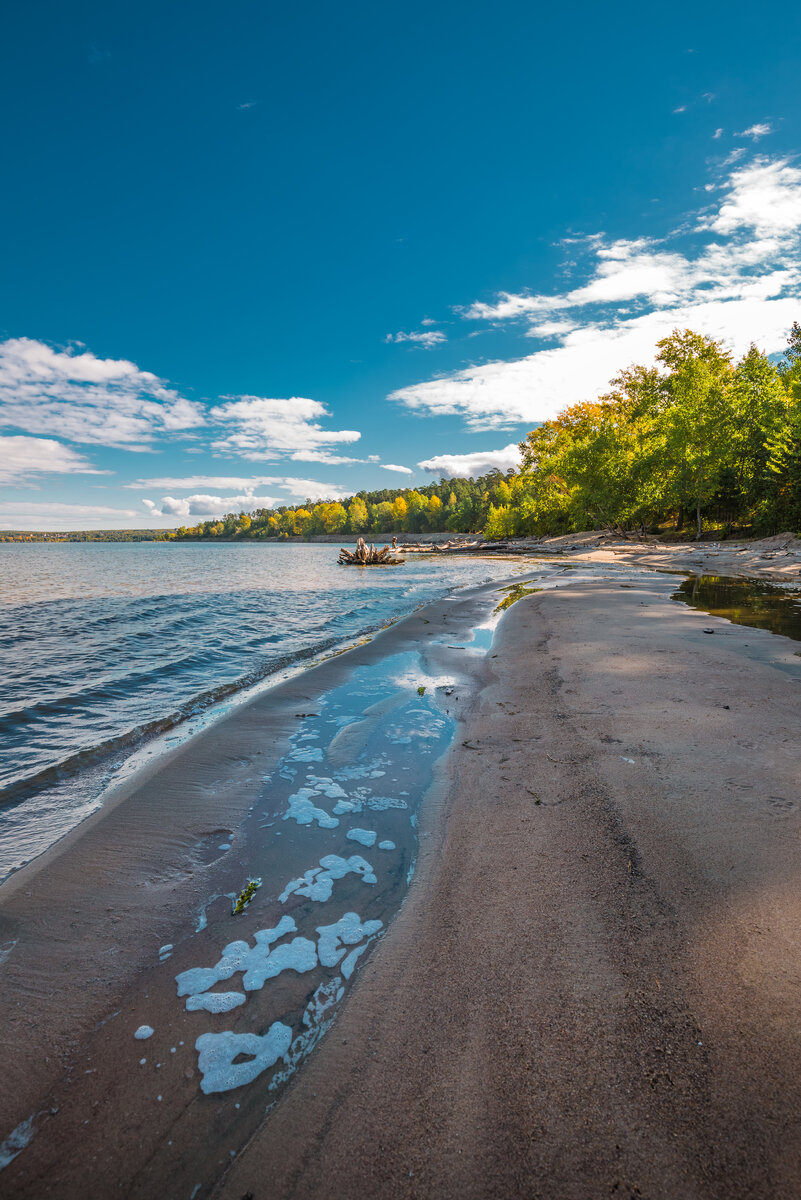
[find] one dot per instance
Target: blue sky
(252, 254)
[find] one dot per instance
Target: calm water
(103, 645)
(753, 602)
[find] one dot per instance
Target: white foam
(144, 1032)
(216, 1052)
(347, 931)
(306, 754)
(16, 1142)
(318, 883)
(382, 803)
(302, 810)
(214, 1002)
(6, 948)
(365, 837)
(318, 1017)
(237, 956)
(326, 786)
(349, 963)
(386, 845)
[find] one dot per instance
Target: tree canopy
(694, 439)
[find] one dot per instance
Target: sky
(257, 253)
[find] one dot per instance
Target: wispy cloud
(420, 337)
(396, 467)
(735, 275)
(476, 463)
(26, 459)
(756, 131)
(266, 429)
(89, 400)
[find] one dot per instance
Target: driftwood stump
(367, 556)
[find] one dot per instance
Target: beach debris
(367, 556)
(144, 1032)
(245, 896)
(627, 760)
(421, 691)
(709, 631)
(563, 762)
(165, 952)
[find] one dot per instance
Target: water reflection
(745, 602)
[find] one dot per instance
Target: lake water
(104, 645)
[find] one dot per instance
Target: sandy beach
(590, 988)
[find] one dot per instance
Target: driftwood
(455, 546)
(368, 556)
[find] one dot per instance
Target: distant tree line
(461, 505)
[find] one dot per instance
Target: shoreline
(131, 878)
(410, 1013)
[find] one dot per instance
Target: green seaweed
(516, 592)
(421, 691)
(246, 895)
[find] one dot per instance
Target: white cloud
(736, 276)
(25, 458)
(395, 467)
(51, 515)
(682, 108)
(89, 400)
(265, 429)
(717, 134)
(311, 489)
(762, 198)
(756, 131)
(477, 463)
(208, 506)
(426, 338)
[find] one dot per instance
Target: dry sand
(593, 987)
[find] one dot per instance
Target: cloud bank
(23, 459)
(88, 400)
(479, 462)
(734, 275)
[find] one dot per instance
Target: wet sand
(592, 986)
(82, 926)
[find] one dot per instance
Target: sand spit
(593, 987)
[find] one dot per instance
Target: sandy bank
(593, 987)
(771, 558)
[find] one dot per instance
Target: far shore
(590, 989)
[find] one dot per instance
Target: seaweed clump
(516, 592)
(246, 895)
